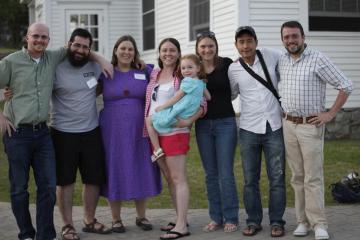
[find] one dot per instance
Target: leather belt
(297, 120)
(33, 127)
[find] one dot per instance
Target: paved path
(344, 224)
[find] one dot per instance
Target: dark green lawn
(341, 156)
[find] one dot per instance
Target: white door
(93, 21)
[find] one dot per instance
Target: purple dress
(130, 172)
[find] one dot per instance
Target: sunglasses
(205, 34)
(154, 93)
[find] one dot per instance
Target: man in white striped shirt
(304, 73)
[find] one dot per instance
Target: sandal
(175, 235)
(157, 154)
(251, 230)
(277, 231)
(91, 227)
(170, 226)
(68, 232)
(211, 227)
(118, 227)
(144, 224)
(230, 227)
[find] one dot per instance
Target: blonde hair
(197, 61)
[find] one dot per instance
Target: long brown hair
(177, 45)
(114, 59)
(196, 60)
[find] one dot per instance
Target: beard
(75, 60)
(296, 50)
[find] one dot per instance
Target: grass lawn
(7, 50)
(341, 156)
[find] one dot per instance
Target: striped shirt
(303, 81)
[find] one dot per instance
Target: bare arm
(178, 95)
(106, 67)
(189, 121)
(207, 94)
(325, 117)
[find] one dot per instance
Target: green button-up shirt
(31, 84)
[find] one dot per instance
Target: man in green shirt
(30, 73)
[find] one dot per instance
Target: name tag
(139, 76)
(92, 82)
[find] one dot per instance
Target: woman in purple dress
(130, 172)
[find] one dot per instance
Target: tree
(14, 21)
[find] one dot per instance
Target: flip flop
(170, 226)
(177, 235)
(211, 227)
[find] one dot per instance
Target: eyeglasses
(205, 34)
(37, 36)
(154, 93)
(80, 46)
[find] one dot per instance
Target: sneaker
(301, 230)
(28, 239)
(321, 233)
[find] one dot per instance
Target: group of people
(144, 129)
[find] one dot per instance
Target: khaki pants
(304, 145)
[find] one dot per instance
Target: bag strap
(268, 84)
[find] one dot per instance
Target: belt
(297, 120)
(33, 127)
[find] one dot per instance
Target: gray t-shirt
(74, 98)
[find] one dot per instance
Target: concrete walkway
(344, 222)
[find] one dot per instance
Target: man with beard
(76, 134)
(304, 73)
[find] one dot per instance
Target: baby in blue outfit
(184, 104)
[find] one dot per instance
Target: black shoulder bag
(268, 84)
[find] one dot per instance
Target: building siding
(171, 20)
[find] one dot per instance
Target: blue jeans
(251, 147)
(27, 148)
(217, 139)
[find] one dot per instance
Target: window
(199, 17)
(334, 15)
(89, 22)
(148, 24)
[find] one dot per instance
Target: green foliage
(14, 21)
(341, 157)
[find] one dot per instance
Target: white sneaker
(321, 233)
(28, 239)
(301, 230)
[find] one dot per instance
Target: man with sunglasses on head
(304, 73)
(254, 78)
(29, 73)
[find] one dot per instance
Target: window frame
(198, 26)
(305, 7)
(142, 26)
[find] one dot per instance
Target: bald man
(30, 73)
